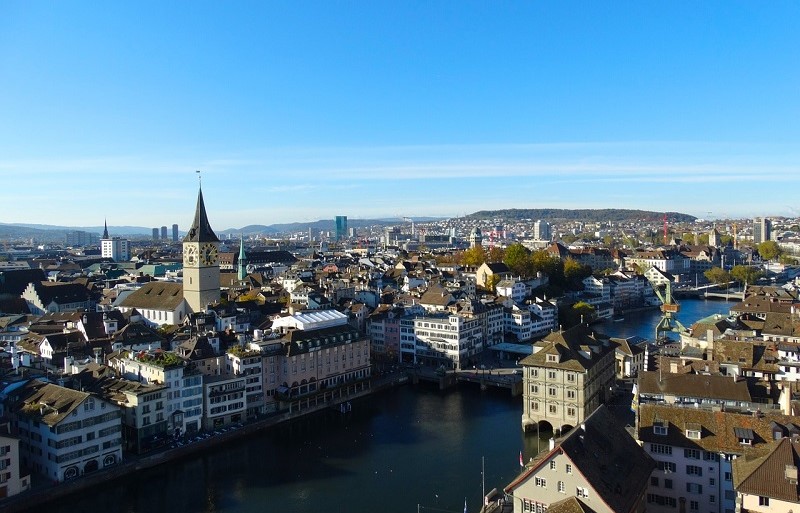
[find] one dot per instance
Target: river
(403, 450)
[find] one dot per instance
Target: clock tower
(201, 286)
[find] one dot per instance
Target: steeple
(242, 260)
(105, 228)
(200, 231)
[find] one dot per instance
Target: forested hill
(584, 215)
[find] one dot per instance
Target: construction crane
(669, 309)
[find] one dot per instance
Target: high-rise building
(762, 230)
(163, 233)
(201, 285)
(80, 238)
(475, 237)
(174, 233)
(341, 227)
(541, 230)
(155, 233)
(115, 248)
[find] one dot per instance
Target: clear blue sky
(297, 111)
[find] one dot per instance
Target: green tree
(769, 250)
(688, 238)
(718, 276)
(746, 274)
(518, 258)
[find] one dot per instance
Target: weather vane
(199, 177)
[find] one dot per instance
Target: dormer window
(744, 435)
(552, 358)
(660, 427)
(693, 431)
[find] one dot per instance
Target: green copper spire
(242, 260)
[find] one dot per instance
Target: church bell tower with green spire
(242, 261)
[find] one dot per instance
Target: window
(653, 481)
(561, 487)
(551, 391)
(712, 499)
(666, 466)
(763, 501)
(694, 434)
(551, 375)
(694, 488)
(570, 412)
(552, 464)
(661, 449)
(693, 454)
(570, 394)
(668, 484)
(694, 505)
(694, 470)
(570, 376)
(540, 481)
(534, 389)
(712, 481)
(727, 476)
(582, 492)
(569, 468)
(660, 428)
(553, 408)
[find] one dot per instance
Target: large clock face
(208, 254)
(190, 255)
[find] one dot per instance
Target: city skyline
(306, 111)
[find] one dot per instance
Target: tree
(518, 258)
(769, 250)
(474, 256)
(575, 272)
(718, 276)
(491, 282)
(495, 254)
(746, 274)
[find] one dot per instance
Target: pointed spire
(105, 228)
(200, 231)
(242, 260)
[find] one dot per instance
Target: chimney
(552, 443)
(785, 399)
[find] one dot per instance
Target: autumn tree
(746, 274)
(575, 272)
(495, 254)
(474, 256)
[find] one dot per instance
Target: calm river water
(402, 448)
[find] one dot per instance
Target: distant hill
(583, 215)
(322, 225)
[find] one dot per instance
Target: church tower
(242, 261)
(201, 285)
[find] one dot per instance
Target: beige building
(12, 479)
(767, 482)
(567, 377)
(598, 465)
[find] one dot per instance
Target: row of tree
(740, 273)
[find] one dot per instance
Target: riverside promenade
(43, 493)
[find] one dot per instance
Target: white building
(66, 433)
(118, 250)
(448, 340)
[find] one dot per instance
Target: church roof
(200, 231)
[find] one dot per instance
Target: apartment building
(448, 340)
(12, 478)
(65, 433)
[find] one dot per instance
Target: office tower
(341, 227)
(762, 230)
(174, 233)
(155, 233)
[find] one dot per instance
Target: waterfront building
(630, 356)
(446, 340)
(762, 230)
(544, 316)
(184, 395)
(570, 373)
(224, 400)
(65, 433)
(667, 260)
(201, 280)
(695, 448)
(596, 467)
(767, 482)
(13, 479)
(321, 355)
(518, 323)
(247, 362)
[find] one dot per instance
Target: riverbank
(47, 493)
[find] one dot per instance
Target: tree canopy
(746, 274)
(769, 250)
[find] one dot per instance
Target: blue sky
(297, 111)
